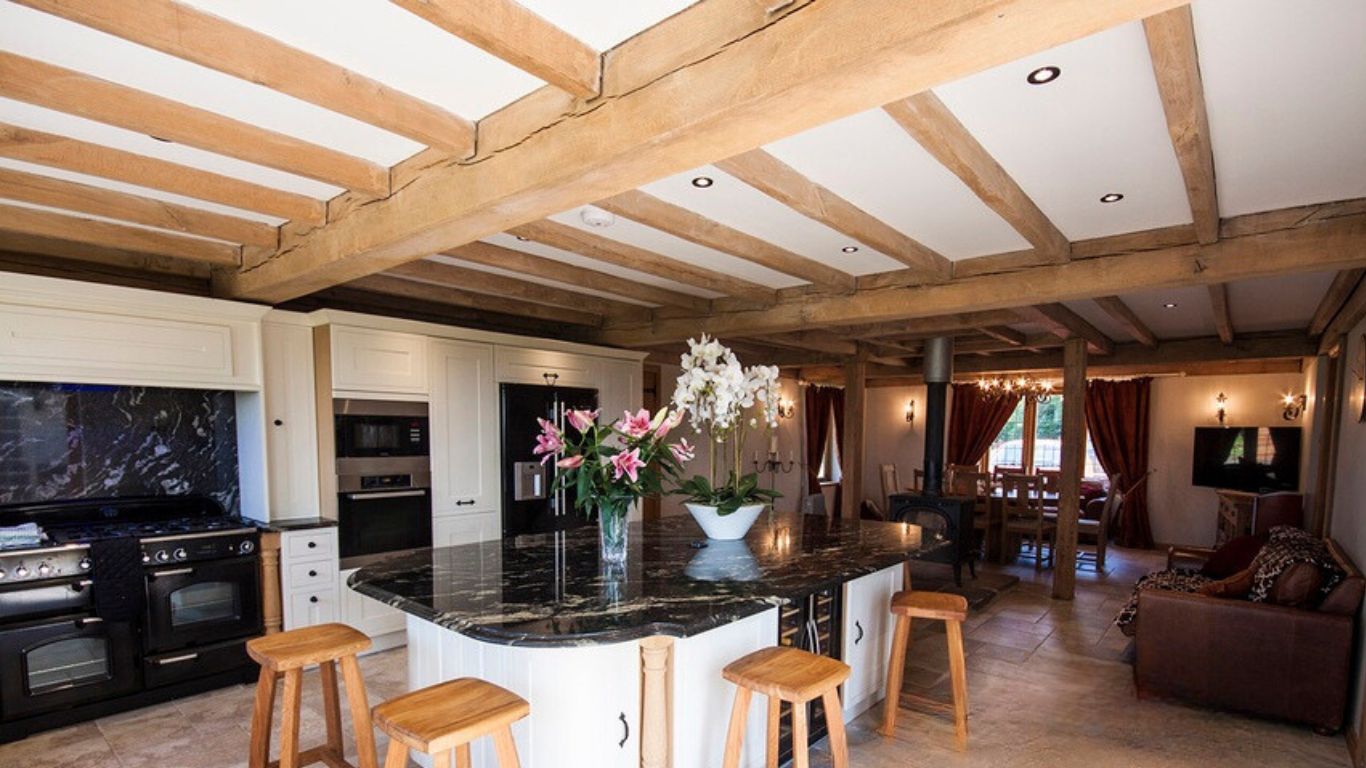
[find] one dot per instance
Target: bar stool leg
(261, 715)
(462, 757)
(397, 756)
(332, 707)
(774, 716)
(360, 713)
(801, 747)
(959, 675)
(735, 734)
(834, 723)
(896, 668)
(289, 719)
(505, 748)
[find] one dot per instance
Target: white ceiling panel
(49, 39)
(740, 206)
(442, 259)
(1285, 88)
(386, 43)
(1277, 303)
(120, 222)
(133, 189)
(602, 24)
(37, 118)
(664, 244)
(1192, 315)
(1098, 128)
(508, 241)
(873, 163)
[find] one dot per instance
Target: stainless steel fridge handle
(384, 495)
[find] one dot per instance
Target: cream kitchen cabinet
(464, 419)
(619, 387)
(378, 363)
(308, 577)
(291, 419)
(867, 637)
(452, 530)
(543, 366)
(366, 613)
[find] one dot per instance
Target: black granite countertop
(554, 594)
(299, 524)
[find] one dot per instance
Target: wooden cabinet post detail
(656, 701)
(271, 611)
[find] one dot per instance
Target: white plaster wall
(890, 440)
(1349, 490)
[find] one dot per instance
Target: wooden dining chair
(1024, 515)
(953, 470)
(917, 479)
(1100, 527)
(1050, 482)
(976, 486)
(890, 484)
(1000, 471)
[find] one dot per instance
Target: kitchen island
(622, 667)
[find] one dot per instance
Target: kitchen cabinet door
(452, 530)
(867, 635)
(543, 366)
(464, 419)
(619, 387)
(366, 613)
(366, 362)
(291, 420)
(308, 608)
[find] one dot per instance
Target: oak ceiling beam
(1121, 313)
(34, 255)
(82, 198)
(926, 327)
(936, 129)
(1209, 349)
(1339, 291)
(1171, 43)
(478, 281)
(440, 294)
(75, 93)
(649, 210)
(574, 240)
(1352, 312)
(783, 183)
(30, 221)
(1223, 318)
(516, 35)
(1329, 245)
(1103, 369)
(78, 156)
(491, 255)
(1004, 334)
(1064, 323)
(182, 31)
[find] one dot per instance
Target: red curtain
(1117, 417)
(975, 421)
(820, 402)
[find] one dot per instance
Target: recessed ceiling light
(702, 182)
(523, 239)
(1170, 305)
(1043, 75)
(850, 249)
(1111, 197)
(597, 217)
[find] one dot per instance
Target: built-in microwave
(369, 429)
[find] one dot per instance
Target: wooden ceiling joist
(94, 160)
(30, 221)
(1120, 312)
(516, 35)
(733, 86)
(529, 264)
(1103, 369)
(1206, 349)
(936, 129)
(1339, 291)
(1352, 312)
(567, 238)
(781, 182)
(948, 324)
(467, 279)
(31, 254)
(1171, 43)
(82, 198)
(1004, 334)
(680, 222)
(1223, 318)
(182, 31)
(75, 93)
(1064, 323)
(440, 294)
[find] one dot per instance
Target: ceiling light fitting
(702, 182)
(597, 217)
(1112, 197)
(1043, 75)
(1027, 387)
(1170, 305)
(849, 249)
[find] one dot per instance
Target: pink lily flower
(549, 444)
(667, 425)
(570, 462)
(627, 463)
(637, 425)
(581, 419)
(683, 452)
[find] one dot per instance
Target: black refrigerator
(530, 503)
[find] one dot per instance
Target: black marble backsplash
(72, 441)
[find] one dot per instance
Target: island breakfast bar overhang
(624, 668)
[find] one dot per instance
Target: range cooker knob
(162, 556)
(246, 547)
(85, 563)
(3, 574)
(146, 558)
(44, 569)
(180, 553)
(21, 572)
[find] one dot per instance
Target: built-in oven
(380, 513)
(367, 429)
(202, 603)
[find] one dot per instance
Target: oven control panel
(199, 547)
(44, 563)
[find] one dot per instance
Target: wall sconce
(1294, 406)
(910, 411)
(786, 408)
(1221, 409)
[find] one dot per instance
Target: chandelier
(1027, 387)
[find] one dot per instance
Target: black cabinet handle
(625, 730)
(312, 545)
(279, 423)
(312, 573)
(859, 627)
(313, 599)
(464, 502)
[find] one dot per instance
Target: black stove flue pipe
(938, 363)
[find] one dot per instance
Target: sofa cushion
(1297, 585)
(1235, 586)
(1286, 547)
(1234, 557)
(1345, 598)
(1172, 580)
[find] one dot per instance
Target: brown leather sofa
(1285, 663)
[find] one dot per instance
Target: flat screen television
(1252, 459)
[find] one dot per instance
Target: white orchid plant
(723, 401)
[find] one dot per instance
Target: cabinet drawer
(378, 361)
(312, 575)
(539, 366)
(307, 608)
(309, 545)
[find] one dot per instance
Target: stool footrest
(323, 755)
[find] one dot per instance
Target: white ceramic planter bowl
(725, 527)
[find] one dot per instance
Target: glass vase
(613, 526)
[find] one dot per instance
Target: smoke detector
(597, 217)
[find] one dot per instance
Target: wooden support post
(272, 614)
(1073, 466)
(656, 702)
(851, 448)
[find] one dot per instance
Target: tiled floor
(1047, 682)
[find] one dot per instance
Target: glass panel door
(205, 602)
(66, 663)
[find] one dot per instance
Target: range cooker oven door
(51, 664)
(202, 603)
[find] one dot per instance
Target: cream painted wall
(890, 440)
(1180, 512)
(1349, 490)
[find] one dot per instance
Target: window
(830, 457)
(1007, 450)
(1032, 440)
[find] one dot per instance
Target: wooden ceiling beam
(30, 221)
(440, 294)
(410, 308)
(1339, 291)
(492, 255)
(1064, 323)
(783, 183)
(179, 30)
(1120, 312)
(516, 35)
(1223, 318)
(574, 240)
(680, 222)
(1171, 43)
(478, 281)
(1004, 334)
(1205, 349)
(75, 93)
(927, 327)
(32, 253)
(1104, 369)
(936, 129)
(82, 198)
(94, 160)
(1352, 312)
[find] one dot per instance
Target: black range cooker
(129, 602)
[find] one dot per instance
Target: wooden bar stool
(950, 609)
(794, 676)
(446, 717)
(286, 654)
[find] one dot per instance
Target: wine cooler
(811, 623)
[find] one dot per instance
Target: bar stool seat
(794, 676)
(285, 655)
(930, 605)
(448, 716)
(938, 606)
